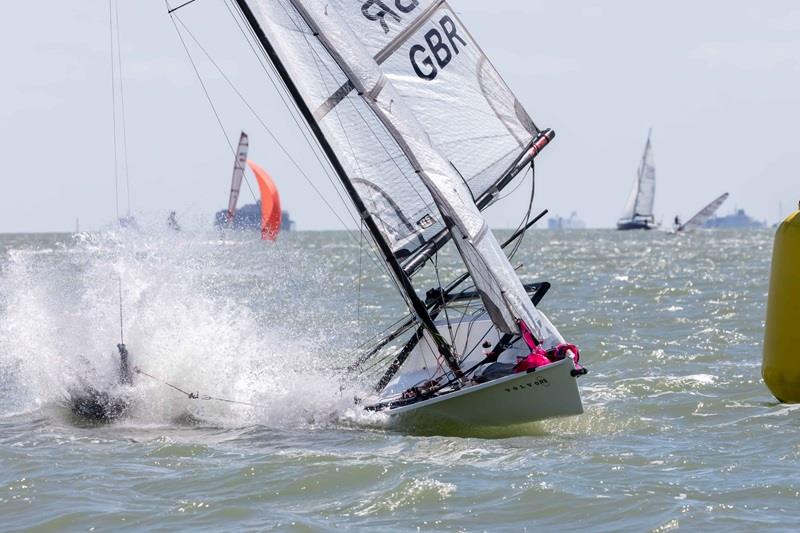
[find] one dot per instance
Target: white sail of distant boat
(238, 174)
(638, 212)
(424, 134)
(702, 216)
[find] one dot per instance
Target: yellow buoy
(781, 366)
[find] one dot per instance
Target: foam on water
(60, 324)
(679, 431)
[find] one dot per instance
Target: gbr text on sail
(438, 45)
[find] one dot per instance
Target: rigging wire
(444, 303)
(272, 75)
(252, 110)
(122, 114)
(202, 83)
(318, 62)
(301, 126)
(114, 104)
(196, 395)
(527, 216)
(205, 91)
(113, 20)
(258, 118)
(305, 131)
(319, 66)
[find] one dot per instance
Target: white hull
(548, 392)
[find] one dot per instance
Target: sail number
(378, 10)
(441, 47)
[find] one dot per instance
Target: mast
(418, 307)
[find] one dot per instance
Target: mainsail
(699, 220)
(406, 180)
(640, 201)
(238, 174)
(466, 109)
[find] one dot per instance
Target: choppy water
(679, 431)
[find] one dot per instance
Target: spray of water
(222, 315)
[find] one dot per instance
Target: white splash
(208, 318)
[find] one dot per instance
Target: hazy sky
(718, 81)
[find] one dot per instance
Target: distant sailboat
(702, 216)
(266, 214)
(238, 174)
(638, 213)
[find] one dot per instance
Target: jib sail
(642, 196)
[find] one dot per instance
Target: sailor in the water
(105, 406)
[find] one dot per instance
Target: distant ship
(701, 217)
(248, 217)
(573, 222)
(738, 220)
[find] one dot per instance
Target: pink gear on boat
(539, 356)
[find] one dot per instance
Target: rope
(195, 395)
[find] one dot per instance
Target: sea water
(679, 430)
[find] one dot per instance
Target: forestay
(640, 201)
(376, 111)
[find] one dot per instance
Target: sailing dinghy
(236, 179)
(424, 134)
(699, 220)
(270, 204)
(638, 213)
